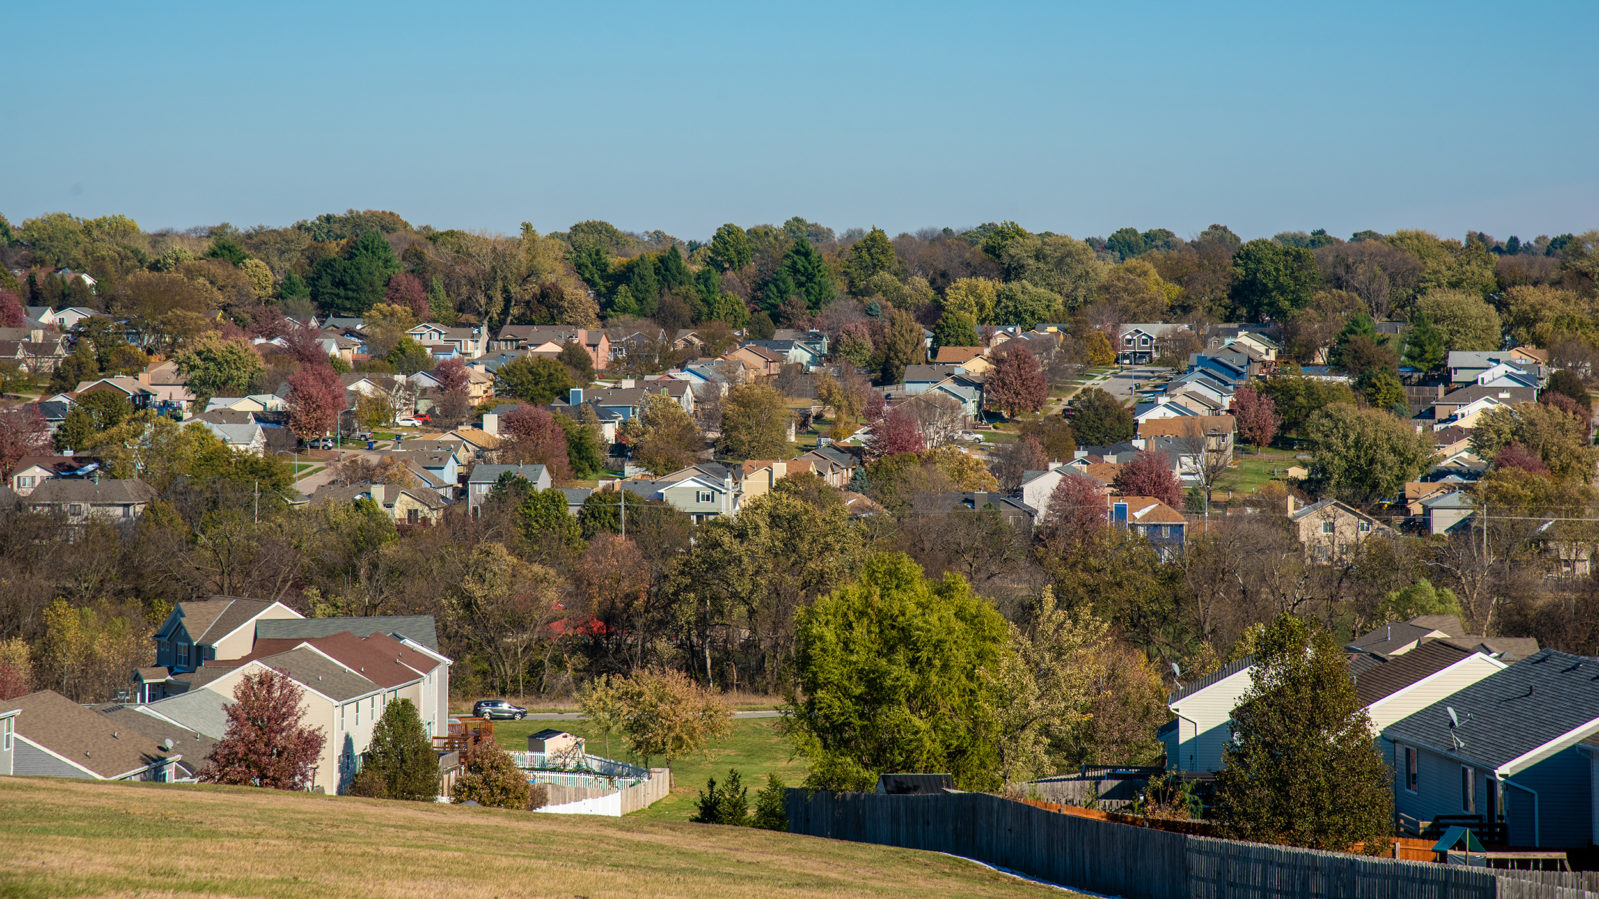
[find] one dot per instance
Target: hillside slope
(65, 837)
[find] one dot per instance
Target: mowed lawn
(1252, 469)
(753, 746)
(63, 837)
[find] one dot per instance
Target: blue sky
(1075, 118)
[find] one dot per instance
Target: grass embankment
(73, 838)
(753, 746)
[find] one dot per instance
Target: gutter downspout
(1181, 718)
(1536, 843)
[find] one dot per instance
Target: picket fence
(1142, 863)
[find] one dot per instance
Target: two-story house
(222, 627)
(484, 476)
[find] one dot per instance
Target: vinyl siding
(1427, 691)
(1437, 784)
(1207, 730)
(31, 761)
(1564, 787)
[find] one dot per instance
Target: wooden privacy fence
(1137, 862)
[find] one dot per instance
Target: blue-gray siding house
(1507, 749)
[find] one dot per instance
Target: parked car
(423, 417)
(322, 443)
(409, 423)
(498, 708)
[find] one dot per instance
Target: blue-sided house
(1509, 750)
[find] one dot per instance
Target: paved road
(1120, 383)
(578, 716)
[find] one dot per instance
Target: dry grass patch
(66, 837)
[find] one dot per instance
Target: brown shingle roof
(1401, 671)
(86, 738)
(1148, 510)
(1184, 426)
(58, 491)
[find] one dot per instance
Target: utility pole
(257, 515)
(621, 497)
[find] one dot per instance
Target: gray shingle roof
(418, 628)
(87, 737)
(1551, 696)
(1401, 671)
(83, 490)
(320, 673)
(202, 711)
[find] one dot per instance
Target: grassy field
(753, 746)
(77, 838)
(1254, 469)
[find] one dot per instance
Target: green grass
(65, 837)
(1253, 470)
(753, 746)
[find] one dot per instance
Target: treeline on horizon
(174, 286)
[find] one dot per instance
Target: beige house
(1330, 530)
(222, 627)
(406, 505)
(80, 499)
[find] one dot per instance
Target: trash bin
(371, 444)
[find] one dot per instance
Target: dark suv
(498, 708)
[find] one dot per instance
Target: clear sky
(1072, 117)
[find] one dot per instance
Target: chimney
(574, 396)
(1290, 504)
(36, 335)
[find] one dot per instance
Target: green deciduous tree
(730, 248)
(1557, 438)
(955, 328)
(1363, 455)
(1463, 318)
(1424, 345)
(1272, 280)
(1099, 419)
(218, 367)
(537, 380)
(869, 256)
(1420, 598)
(1302, 769)
(400, 762)
(898, 673)
(663, 437)
(755, 423)
(902, 345)
(662, 713)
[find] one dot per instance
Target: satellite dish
(1454, 720)
(1176, 671)
(167, 743)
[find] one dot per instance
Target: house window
(357, 705)
(5, 734)
(1327, 527)
(1365, 527)
(75, 509)
(703, 497)
(25, 481)
(412, 516)
(341, 717)
(1468, 799)
(1411, 774)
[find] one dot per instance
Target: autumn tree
(1010, 461)
(1302, 769)
(405, 290)
(1557, 437)
(400, 761)
(1099, 419)
(896, 432)
(1076, 513)
(490, 778)
(1016, 384)
(1150, 474)
(316, 400)
(12, 315)
(267, 743)
(663, 436)
(16, 669)
(579, 365)
(1256, 415)
(455, 399)
(1462, 318)
(663, 713)
(23, 432)
(755, 423)
(534, 437)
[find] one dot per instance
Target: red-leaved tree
(305, 342)
(267, 744)
(316, 397)
(1076, 514)
(1150, 474)
(23, 432)
(1256, 415)
(455, 400)
(1017, 383)
(897, 432)
(12, 315)
(406, 291)
(1514, 455)
(536, 438)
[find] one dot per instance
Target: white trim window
(1412, 771)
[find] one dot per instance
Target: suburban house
(449, 343)
(1399, 637)
(31, 471)
(1331, 530)
(1507, 750)
(483, 478)
(1164, 527)
(701, 495)
(241, 438)
(80, 499)
(139, 395)
(831, 464)
(1495, 368)
(222, 627)
(1139, 343)
(8, 739)
(406, 505)
(535, 338)
(1201, 727)
(192, 748)
(52, 736)
(758, 361)
(1038, 486)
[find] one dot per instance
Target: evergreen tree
(955, 329)
(1424, 345)
(813, 280)
(672, 271)
(727, 803)
(1302, 769)
(730, 248)
(869, 256)
(400, 762)
(771, 809)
